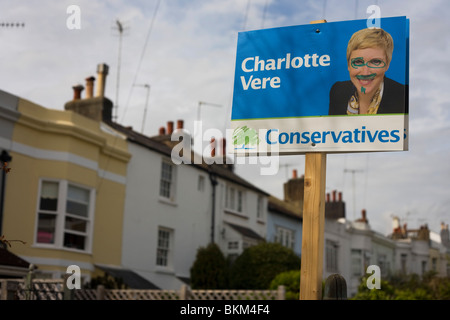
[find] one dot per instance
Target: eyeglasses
(374, 63)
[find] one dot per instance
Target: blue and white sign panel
(297, 90)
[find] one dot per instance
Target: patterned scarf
(353, 103)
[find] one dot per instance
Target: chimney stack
(294, 190)
(363, 216)
(97, 108)
(90, 87)
(334, 208)
(77, 91)
(102, 72)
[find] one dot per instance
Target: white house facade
(172, 210)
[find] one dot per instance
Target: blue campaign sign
(289, 71)
(296, 83)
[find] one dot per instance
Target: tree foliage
(210, 269)
(258, 265)
(407, 287)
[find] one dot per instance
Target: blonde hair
(371, 38)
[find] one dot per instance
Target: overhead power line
(142, 56)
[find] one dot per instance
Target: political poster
(325, 87)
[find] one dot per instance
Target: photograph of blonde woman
(369, 91)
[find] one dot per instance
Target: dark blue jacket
(394, 100)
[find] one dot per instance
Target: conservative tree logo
(245, 138)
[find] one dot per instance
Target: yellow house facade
(65, 194)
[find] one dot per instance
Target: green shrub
(407, 287)
(209, 270)
(291, 281)
(258, 265)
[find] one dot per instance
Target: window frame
(61, 215)
(235, 198)
(285, 237)
(171, 198)
(260, 208)
(332, 255)
(169, 254)
(356, 262)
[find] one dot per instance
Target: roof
(285, 208)
(129, 277)
(246, 232)
(7, 258)
(163, 144)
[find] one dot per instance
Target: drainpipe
(4, 157)
(213, 179)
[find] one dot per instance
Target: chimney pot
(213, 147)
(294, 173)
(328, 197)
(90, 87)
(169, 127)
(77, 91)
(162, 131)
(180, 124)
(102, 72)
(340, 196)
(334, 195)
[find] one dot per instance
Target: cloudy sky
(185, 51)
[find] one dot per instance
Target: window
(233, 245)
(64, 215)
(331, 256)
(260, 208)
(166, 185)
(163, 251)
(383, 264)
(356, 262)
(403, 260)
(434, 264)
(234, 199)
(285, 237)
(424, 267)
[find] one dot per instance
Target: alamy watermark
(74, 280)
(374, 20)
(241, 141)
(74, 19)
(373, 281)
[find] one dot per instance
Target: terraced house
(65, 193)
(92, 193)
(86, 191)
